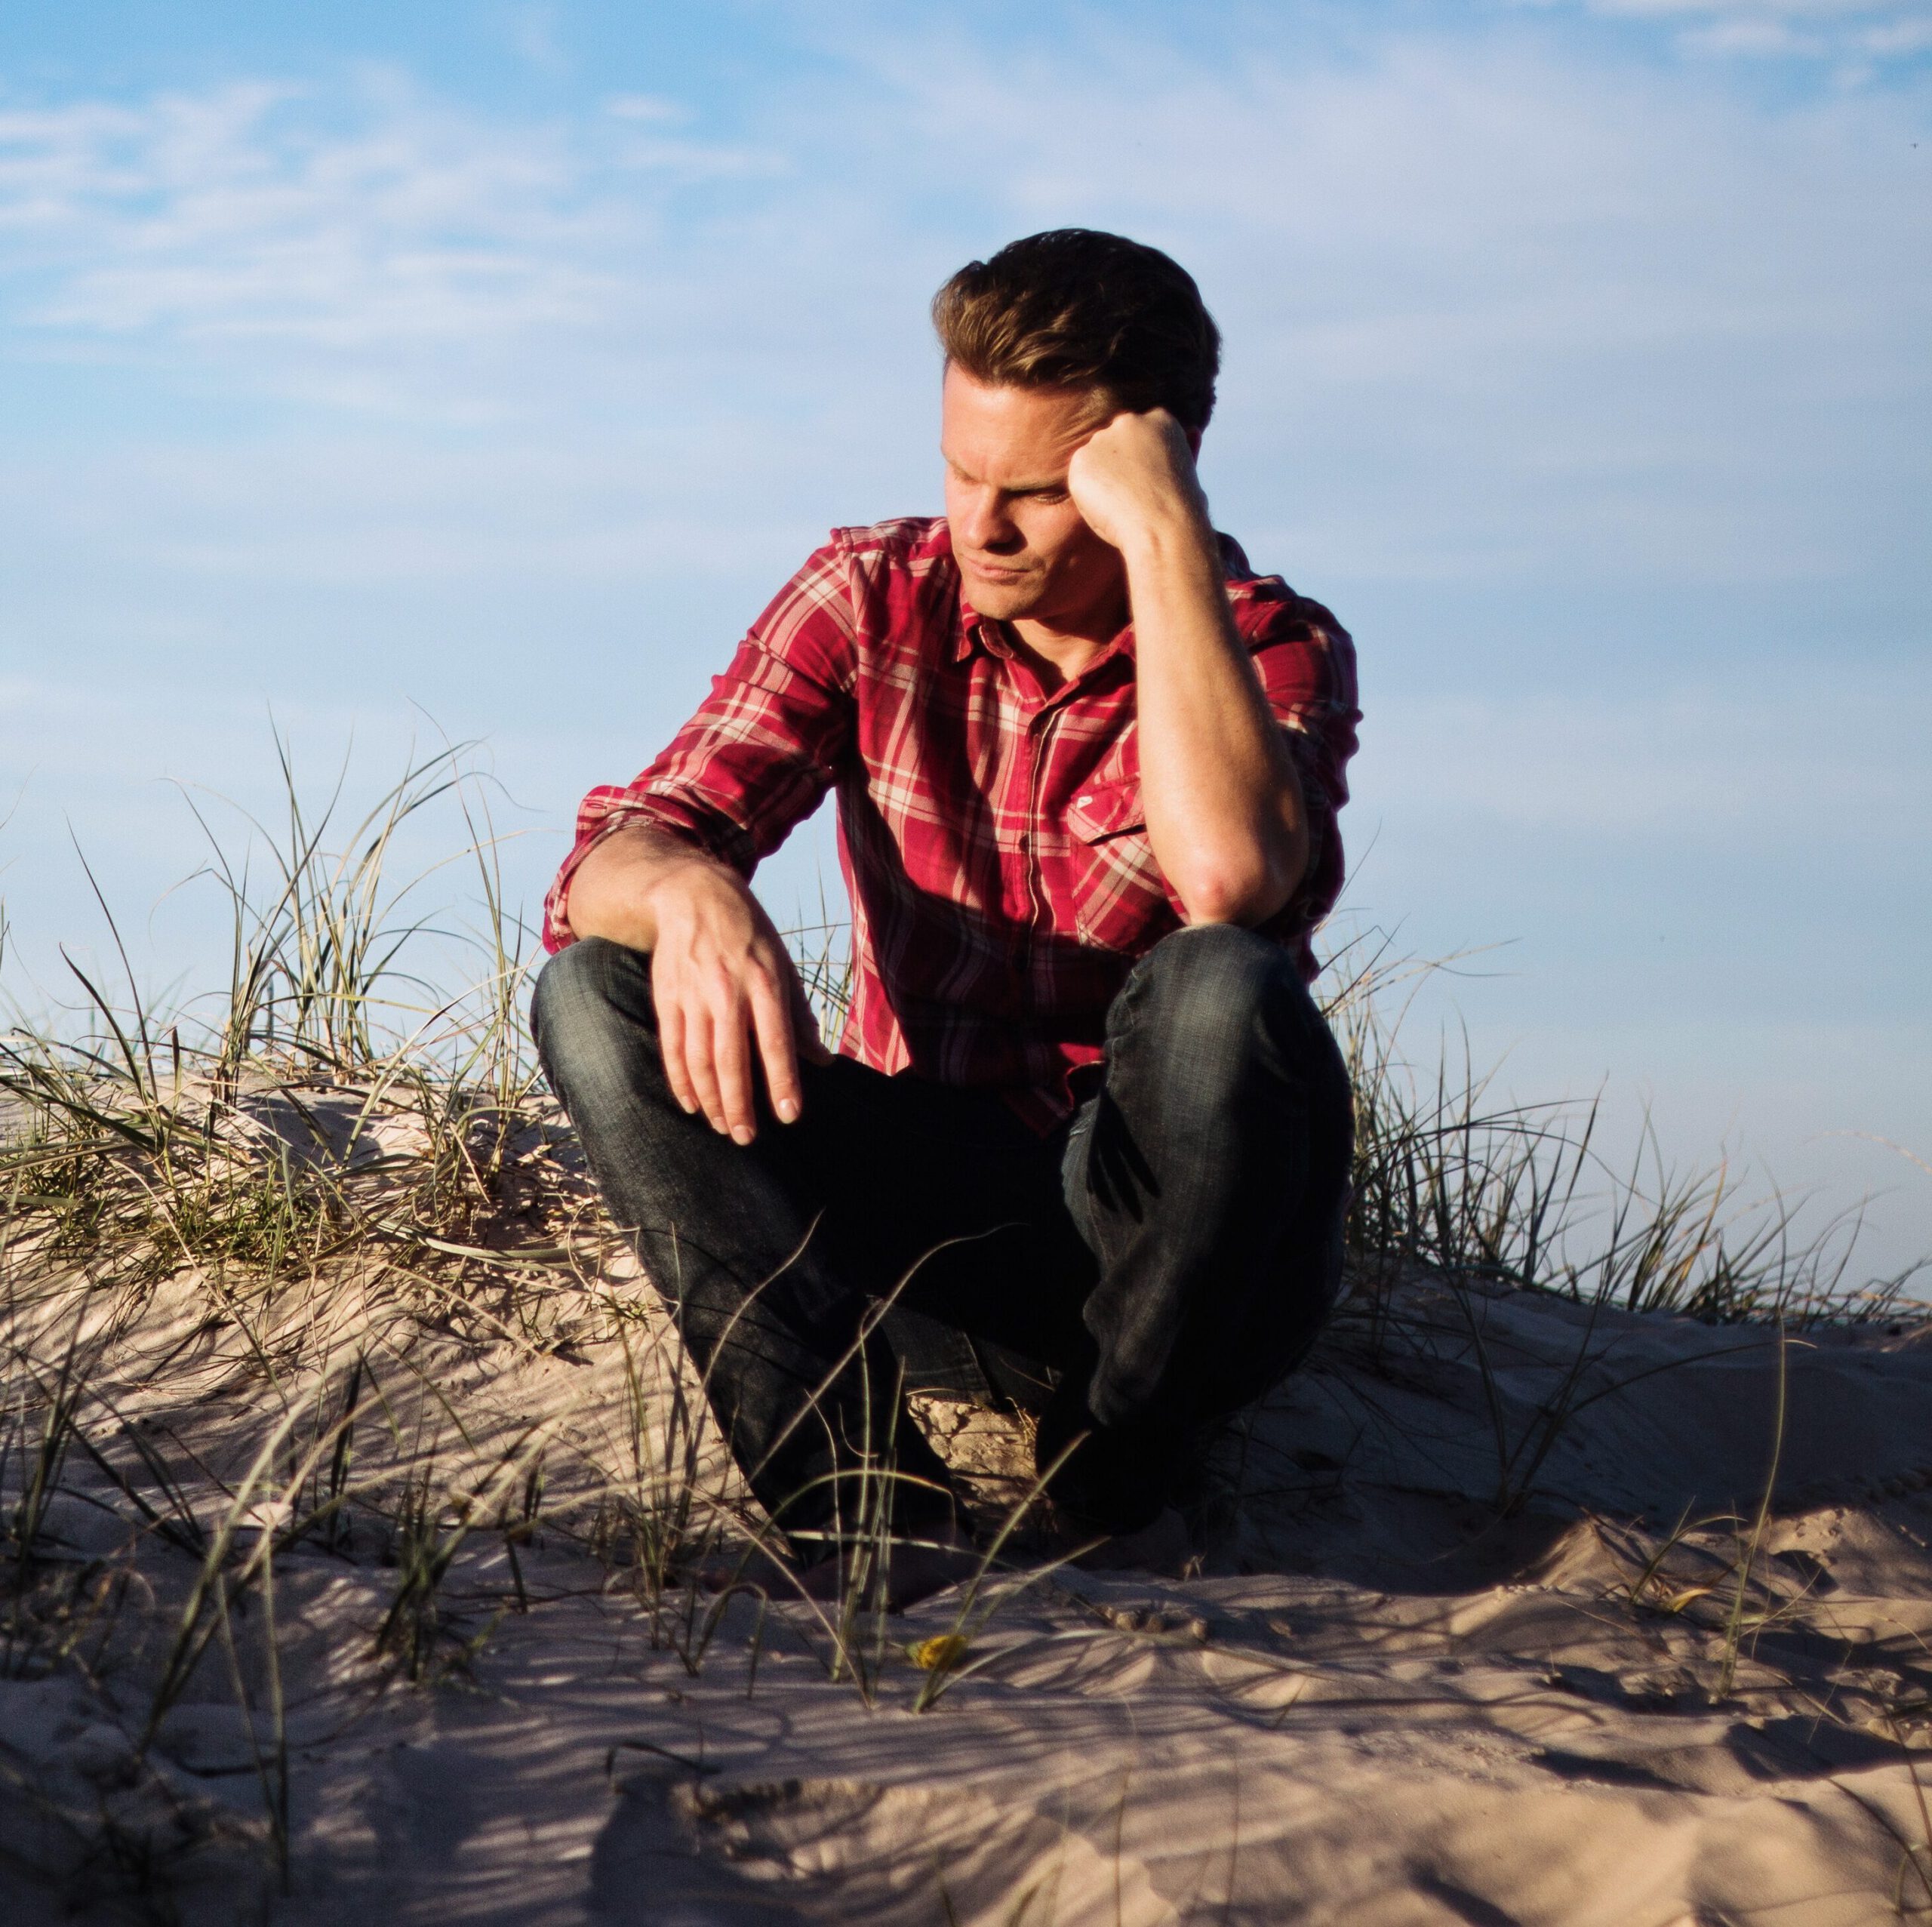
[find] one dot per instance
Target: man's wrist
(1177, 529)
(677, 867)
(633, 873)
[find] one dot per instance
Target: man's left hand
(1136, 475)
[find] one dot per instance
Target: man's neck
(1059, 653)
(1054, 659)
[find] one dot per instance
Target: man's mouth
(995, 571)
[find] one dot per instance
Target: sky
(391, 375)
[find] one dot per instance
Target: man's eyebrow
(1054, 485)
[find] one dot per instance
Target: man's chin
(1000, 602)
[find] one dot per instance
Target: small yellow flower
(940, 1653)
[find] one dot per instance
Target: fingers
(729, 1003)
(731, 1059)
(708, 1043)
(671, 1029)
(772, 1022)
(687, 1035)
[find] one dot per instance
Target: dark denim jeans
(1166, 1256)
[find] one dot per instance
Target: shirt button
(1087, 799)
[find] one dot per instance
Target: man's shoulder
(1265, 608)
(913, 544)
(896, 580)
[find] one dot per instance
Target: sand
(1508, 1611)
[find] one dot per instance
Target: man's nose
(989, 524)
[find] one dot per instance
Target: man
(1084, 1110)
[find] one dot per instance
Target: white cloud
(262, 218)
(1898, 38)
(1812, 30)
(1531, 316)
(1538, 317)
(532, 30)
(648, 107)
(1748, 10)
(1769, 38)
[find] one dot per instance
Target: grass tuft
(256, 1250)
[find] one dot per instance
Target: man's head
(1074, 308)
(1044, 343)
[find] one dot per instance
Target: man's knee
(1221, 1000)
(1215, 960)
(592, 1002)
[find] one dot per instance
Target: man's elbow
(1247, 888)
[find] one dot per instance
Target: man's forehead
(1034, 430)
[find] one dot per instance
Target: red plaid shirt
(991, 834)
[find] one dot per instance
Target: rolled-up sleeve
(762, 750)
(1306, 662)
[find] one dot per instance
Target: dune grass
(1489, 1192)
(313, 1200)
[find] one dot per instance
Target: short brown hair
(1074, 308)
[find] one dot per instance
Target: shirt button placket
(1024, 843)
(1039, 734)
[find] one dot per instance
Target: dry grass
(268, 1265)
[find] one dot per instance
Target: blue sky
(484, 368)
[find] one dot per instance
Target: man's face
(1023, 550)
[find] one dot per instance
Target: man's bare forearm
(1224, 804)
(614, 892)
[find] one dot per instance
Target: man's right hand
(723, 983)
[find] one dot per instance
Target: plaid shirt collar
(972, 631)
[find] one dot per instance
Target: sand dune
(1503, 1617)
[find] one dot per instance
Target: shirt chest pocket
(1120, 901)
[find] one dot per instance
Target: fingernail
(741, 1134)
(788, 1108)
